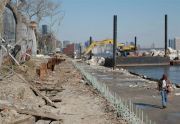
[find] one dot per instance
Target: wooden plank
(51, 89)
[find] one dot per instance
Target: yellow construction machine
(120, 46)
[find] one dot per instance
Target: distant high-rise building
(172, 43)
(44, 29)
(177, 43)
(153, 45)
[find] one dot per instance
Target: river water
(156, 72)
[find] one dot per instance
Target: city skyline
(141, 18)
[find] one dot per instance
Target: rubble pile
(100, 61)
(23, 98)
(172, 54)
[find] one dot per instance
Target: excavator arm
(101, 43)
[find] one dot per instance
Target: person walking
(163, 88)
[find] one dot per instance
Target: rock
(100, 61)
(1, 78)
(177, 85)
(43, 122)
(82, 81)
(55, 122)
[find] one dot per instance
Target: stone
(55, 122)
(43, 122)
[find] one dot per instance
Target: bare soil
(76, 101)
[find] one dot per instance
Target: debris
(132, 86)
(43, 122)
(35, 112)
(28, 119)
(1, 78)
(10, 54)
(51, 89)
(43, 96)
(96, 61)
(56, 100)
(37, 91)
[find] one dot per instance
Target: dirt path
(74, 101)
(80, 103)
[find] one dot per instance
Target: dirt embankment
(62, 97)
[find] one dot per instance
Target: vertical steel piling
(166, 34)
(90, 42)
(114, 40)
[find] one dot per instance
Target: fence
(125, 108)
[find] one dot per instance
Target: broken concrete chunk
(43, 122)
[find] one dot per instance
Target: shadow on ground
(146, 106)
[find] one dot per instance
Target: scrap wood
(43, 96)
(56, 100)
(51, 89)
(37, 91)
(37, 113)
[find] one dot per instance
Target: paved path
(142, 92)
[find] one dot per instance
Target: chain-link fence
(125, 108)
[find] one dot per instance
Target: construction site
(42, 84)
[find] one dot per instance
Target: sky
(141, 18)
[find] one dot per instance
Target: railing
(125, 108)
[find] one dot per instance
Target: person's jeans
(164, 97)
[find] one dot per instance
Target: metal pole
(80, 50)
(135, 43)
(114, 40)
(166, 34)
(90, 42)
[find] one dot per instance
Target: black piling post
(135, 43)
(80, 50)
(166, 34)
(90, 42)
(114, 40)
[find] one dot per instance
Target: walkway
(142, 93)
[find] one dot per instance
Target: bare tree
(39, 9)
(45, 11)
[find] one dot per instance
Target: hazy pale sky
(141, 18)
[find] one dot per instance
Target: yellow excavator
(120, 46)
